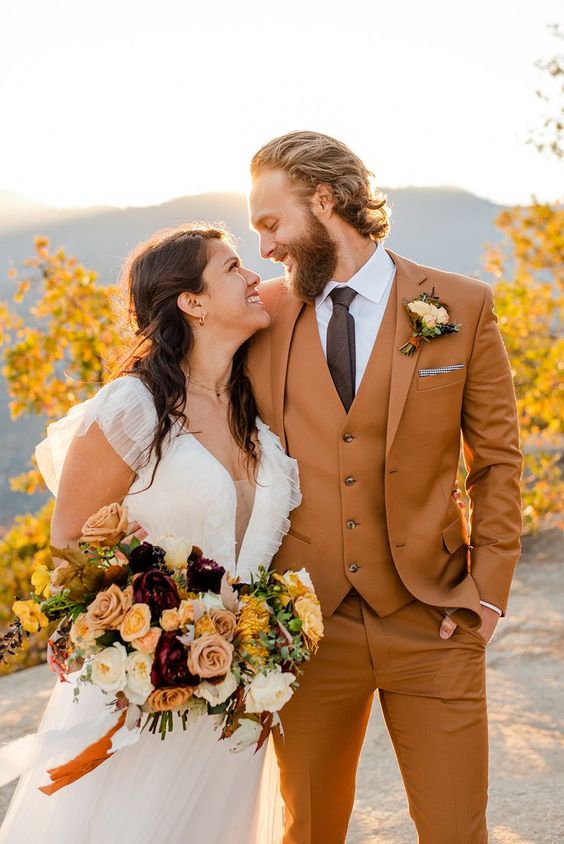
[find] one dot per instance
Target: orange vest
(343, 529)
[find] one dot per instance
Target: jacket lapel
(409, 278)
(287, 313)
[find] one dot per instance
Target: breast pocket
(441, 376)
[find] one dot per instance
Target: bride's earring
(202, 321)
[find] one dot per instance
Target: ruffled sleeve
(124, 411)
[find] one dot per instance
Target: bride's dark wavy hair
(156, 273)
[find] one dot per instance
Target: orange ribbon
(85, 762)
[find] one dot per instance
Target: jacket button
(348, 438)
(351, 524)
(350, 481)
(354, 567)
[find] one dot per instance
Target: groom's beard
(314, 258)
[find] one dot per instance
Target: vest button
(351, 524)
(354, 567)
(350, 481)
(348, 438)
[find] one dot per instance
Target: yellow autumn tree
(529, 269)
(56, 354)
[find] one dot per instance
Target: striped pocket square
(439, 370)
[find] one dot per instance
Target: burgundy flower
(145, 557)
(156, 589)
(204, 575)
(170, 665)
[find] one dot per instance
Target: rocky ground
(526, 693)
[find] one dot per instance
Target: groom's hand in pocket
(490, 619)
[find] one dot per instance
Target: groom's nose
(267, 245)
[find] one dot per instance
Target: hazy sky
(133, 102)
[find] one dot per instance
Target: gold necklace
(217, 390)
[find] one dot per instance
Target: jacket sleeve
(493, 459)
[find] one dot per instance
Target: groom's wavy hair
(156, 273)
(310, 159)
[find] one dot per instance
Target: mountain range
(438, 226)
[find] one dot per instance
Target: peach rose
(308, 610)
(136, 622)
(210, 656)
(170, 620)
(429, 320)
(107, 610)
(225, 622)
(186, 613)
(106, 527)
(81, 634)
(147, 644)
(174, 697)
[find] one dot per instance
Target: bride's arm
(93, 475)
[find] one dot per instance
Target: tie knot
(343, 296)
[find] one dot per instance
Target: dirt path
(526, 694)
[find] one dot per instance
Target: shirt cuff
(491, 606)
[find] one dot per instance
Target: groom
(409, 599)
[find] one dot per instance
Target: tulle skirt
(188, 788)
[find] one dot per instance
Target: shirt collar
(370, 281)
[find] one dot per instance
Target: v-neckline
(224, 469)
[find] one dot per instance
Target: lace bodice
(192, 494)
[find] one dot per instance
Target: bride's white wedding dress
(189, 787)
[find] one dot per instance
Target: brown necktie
(341, 355)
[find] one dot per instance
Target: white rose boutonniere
(429, 319)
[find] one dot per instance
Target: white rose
(269, 692)
(211, 601)
(246, 734)
(177, 550)
(108, 668)
(138, 667)
(303, 574)
(420, 308)
(194, 709)
(442, 316)
(218, 693)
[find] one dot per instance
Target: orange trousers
(432, 693)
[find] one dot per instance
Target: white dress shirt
(373, 283)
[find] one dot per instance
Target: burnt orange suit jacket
(426, 418)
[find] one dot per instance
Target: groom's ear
(323, 201)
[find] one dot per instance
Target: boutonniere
(429, 318)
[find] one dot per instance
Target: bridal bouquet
(161, 629)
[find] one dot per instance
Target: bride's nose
(253, 279)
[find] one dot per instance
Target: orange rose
(169, 698)
(147, 644)
(210, 656)
(136, 622)
(225, 622)
(186, 613)
(107, 610)
(170, 620)
(107, 527)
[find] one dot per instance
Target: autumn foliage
(57, 354)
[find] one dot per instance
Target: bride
(177, 439)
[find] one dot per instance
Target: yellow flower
(253, 620)
(41, 579)
(308, 610)
(204, 626)
(30, 615)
